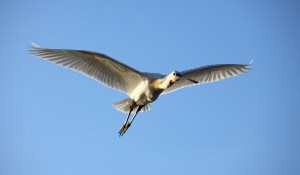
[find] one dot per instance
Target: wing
(100, 67)
(208, 74)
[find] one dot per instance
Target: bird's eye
(174, 73)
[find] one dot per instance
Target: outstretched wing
(208, 74)
(100, 67)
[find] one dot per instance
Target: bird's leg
(121, 132)
(127, 125)
(137, 111)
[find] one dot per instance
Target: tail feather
(124, 106)
(147, 107)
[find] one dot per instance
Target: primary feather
(207, 74)
(98, 66)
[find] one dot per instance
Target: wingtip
(36, 45)
(251, 61)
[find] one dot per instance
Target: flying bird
(142, 88)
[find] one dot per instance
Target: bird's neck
(163, 83)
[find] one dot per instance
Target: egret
(141, 87)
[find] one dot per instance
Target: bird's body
(146, 91)
(141, 87)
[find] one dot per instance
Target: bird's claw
(124, 128)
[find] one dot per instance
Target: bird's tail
(124, 106)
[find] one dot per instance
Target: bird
(142, 88)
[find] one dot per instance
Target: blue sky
(57, 121)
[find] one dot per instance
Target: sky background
(54, 121)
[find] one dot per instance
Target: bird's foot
(124, 128)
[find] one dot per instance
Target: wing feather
(208, 74)
(98, 66)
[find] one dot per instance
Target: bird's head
(173, 77)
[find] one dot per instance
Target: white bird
(141, 87)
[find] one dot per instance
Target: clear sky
(54, 121)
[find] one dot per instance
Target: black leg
(121, 132)
(127, 125)
(137, 111)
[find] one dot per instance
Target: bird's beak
(188, 79)
(194, 81)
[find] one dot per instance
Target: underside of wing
(208, 74)
(100, 67)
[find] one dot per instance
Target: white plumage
(141, 87)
